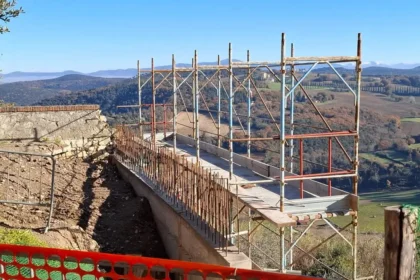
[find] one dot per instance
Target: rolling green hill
(377, 129)
(27, 93)
(108, 97)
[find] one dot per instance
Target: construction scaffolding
(252, 183)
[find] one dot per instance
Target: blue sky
(90, 35)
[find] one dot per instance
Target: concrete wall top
(49, 108)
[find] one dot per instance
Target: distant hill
(117, 73)
(390, 71)
(32, 76)
(369, 68)
(40, 74)
(371, 71)
(29, 92)
(109, 97)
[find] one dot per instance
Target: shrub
(20, 237)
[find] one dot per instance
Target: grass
(329, 102)
(395, 156)
(414, 146)
(20, 237)
(410, 120)
(386, 157)
(401, 197)
(374, 158)
(371, 209)
(274, 86)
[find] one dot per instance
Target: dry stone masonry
(78, 129)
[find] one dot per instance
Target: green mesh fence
(416, 210)
(13, 270)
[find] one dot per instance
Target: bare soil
(207, 125)
(94, 208)
(411, 128)
(373, 102)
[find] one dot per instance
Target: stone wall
(79, 129)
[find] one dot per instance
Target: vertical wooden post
(400, 243)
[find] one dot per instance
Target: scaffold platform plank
(264, 197)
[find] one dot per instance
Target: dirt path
(94, 208)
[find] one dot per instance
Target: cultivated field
(415, 120)
(376, 102)
(411, 126)
(371, 212)
(387, 157)
(369, 101)
(381, 160)
(184, 121)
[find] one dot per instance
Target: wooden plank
(317, 205)
(268, 212)
(354, 202)
(323, 58)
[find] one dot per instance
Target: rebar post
(52, 195)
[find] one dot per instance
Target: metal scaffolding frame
(199, 76)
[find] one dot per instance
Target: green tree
(384, 82)
(321, 96)
(388, 90)
(7, 12)
(398, 99)
(5, 104)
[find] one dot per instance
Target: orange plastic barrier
(23, 262)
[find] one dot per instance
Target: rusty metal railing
(197, 192)
(28, 179)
